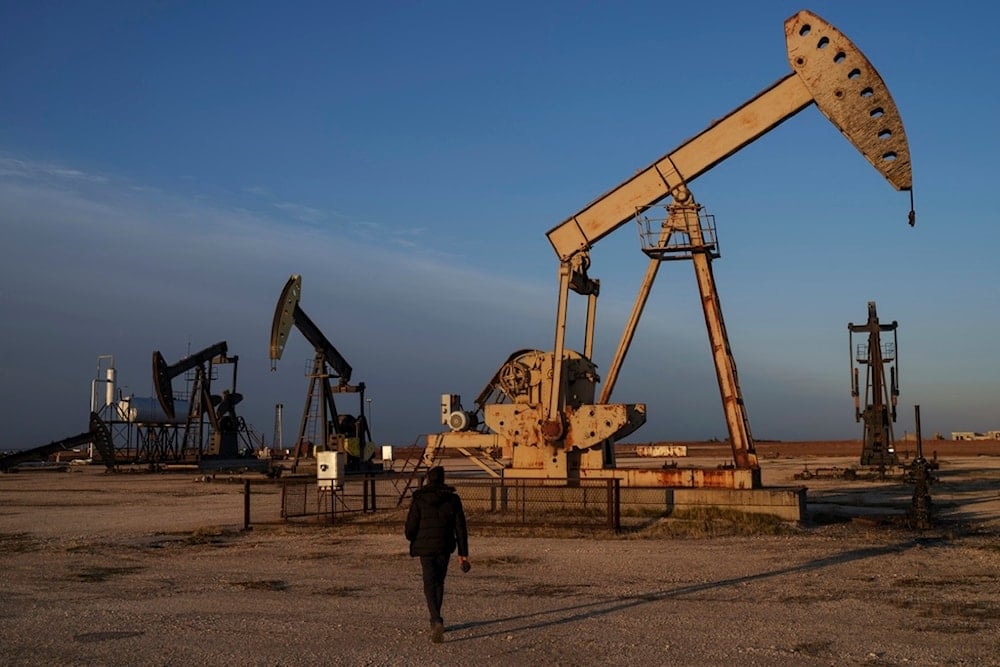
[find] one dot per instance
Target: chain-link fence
(520, 502)
(384, 499)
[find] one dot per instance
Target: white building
(973, 435)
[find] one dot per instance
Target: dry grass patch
(713, 522)
(951, 609)
(815, 649)
(19, 543)
(214, 536)
(102, 574)
(89, 637)
(261, 584)
(546, 590)
(504, 561)
(341, 591)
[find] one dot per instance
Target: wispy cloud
(302, 212)
(12, 167)
(258, 190)
(363, 229)
(75, 174)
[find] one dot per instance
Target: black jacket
(435, 524)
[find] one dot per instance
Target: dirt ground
(156, 569)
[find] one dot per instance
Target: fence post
(369, 480)
(609, 491)
(524, 502)
(615, 504)
(246, 504)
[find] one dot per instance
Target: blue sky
(165, 166)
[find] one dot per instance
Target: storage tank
(147, 410)
(109, 386)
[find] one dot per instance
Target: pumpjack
(224, 424)
(541, 416)
(321, 427)
(881, 393)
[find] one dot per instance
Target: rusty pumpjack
(225, 425)
(879, 413)
(541, 415)
(335, 432)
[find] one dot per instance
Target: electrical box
(330, 469)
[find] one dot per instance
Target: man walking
(435, 527)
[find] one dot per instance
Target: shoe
(437, 633)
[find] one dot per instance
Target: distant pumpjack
(341, 432)
(880, 396)
(220, 410)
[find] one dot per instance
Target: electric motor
(462, 421)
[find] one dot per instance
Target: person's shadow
(573, 613)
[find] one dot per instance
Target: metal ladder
(414, 466)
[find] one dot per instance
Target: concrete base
(697, 478)
(786, 503)
(690, 488)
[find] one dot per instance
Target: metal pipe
(920, 440)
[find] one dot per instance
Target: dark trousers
(435, 568)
